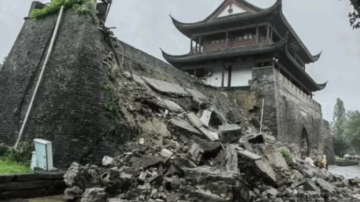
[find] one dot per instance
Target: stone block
(324, 185)
(27, 177)
(32, 193)
(172, 106)
(231, 159)
(7, 178)
(248, 154)
(166, 87)
(205, 117)
(196, 153)
(274, 156)
(14, 186)
(229, 133)
(309, 185)
(145, 162)
(182, 125)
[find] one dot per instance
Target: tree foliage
(354, 17)
(352, 129)
(338, 128)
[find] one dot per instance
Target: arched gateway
(304, 144)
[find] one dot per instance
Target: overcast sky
(321, 24)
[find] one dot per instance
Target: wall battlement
(291, 89)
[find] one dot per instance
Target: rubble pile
(204, 170)
(193, 148)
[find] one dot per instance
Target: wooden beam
(276, 32)
(200, 44)
(229, 76)
(267, 31)
(227, 39)
(231, 29)
(257, 34)
(191, 44)
(223, 76)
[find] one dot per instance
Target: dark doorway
(304, 144)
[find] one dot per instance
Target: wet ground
(48, 199)
(347, 172)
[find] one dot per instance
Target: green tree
(338, 128)
(352, 129)
(354, 17)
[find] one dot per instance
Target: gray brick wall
(69, 107)
(287, 110)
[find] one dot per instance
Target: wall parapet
(19, 186)
(294, 90)
(149, 61)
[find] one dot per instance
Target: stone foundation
(22, 186)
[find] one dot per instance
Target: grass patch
(12, 167)
(287, 155)
(338, 158)
(15, 161)
(86, 7)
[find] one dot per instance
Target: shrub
(287, 155)
(82, 6)
(22, 155)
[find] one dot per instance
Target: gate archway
(304, 144)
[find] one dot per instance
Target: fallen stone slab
(272, 191)
(274, 156)
(209, 184)
(309, 185)
(324, 185)
(196, 153)
(201, 127)
(231, 159)
(197, 96)
(172, 106)
(145, 162)
(211, 174)
(183, 126)
(264, 166)
(94, 195)
(205, 117)
(229, 133)
(73, 193)
(247, 154)
(82, 176)
(165, 87)
(194, 120)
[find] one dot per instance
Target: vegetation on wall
(86, 7)
(112, 105)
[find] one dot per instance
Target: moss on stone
(86, 7)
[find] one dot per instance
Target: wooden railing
(231, 44)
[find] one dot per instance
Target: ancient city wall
(288, 111)
(69, 108)
(75, 73)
